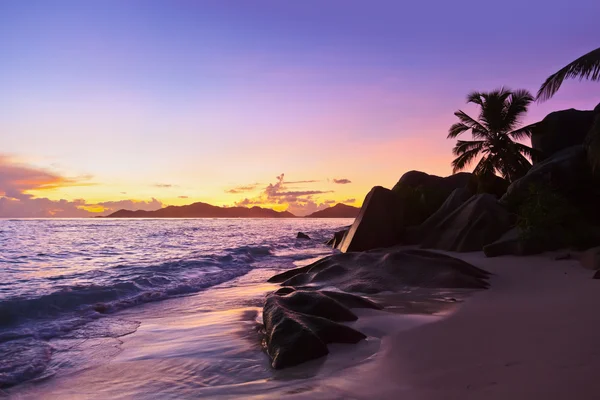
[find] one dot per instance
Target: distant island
(338, 211)
(203, 210)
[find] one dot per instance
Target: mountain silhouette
(203, 210)
(338, 211)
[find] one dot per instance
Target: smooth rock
(378, 224)
(479, 221)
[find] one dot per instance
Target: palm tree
(585, 67)
(495, 134)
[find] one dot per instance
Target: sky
(291, 105)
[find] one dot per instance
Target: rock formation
(479, 221)
(379, 223)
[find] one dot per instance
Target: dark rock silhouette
(566, 171)
(379, 223)
(302, 235)
(338, 211)
(479, 221)
(513, 243)
(422, 194)
(560, 130)
(457, 198)
(203, 210)
(416, 179)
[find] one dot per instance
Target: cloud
(17, 179)
(299, 202)
(329, 202)
(182, 197)
(342, 181)
(164, 185)
(242, 189)
(349, 201)
(112, 206)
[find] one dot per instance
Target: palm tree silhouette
(585, 67)
(495, 134)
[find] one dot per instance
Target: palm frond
(524, 132)
(485, 166)
(585, 67)
(463, 160)
(456, 129)
(527, 151)
(479, 131)
(493, 109)
(463, 146)
(475, 98)
(515, 106)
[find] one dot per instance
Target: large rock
(457, 198)
(514, 243)
(298, 327)
(422, 194)
(385, 270)
(560, 130)
(418, 179)
(476, 223)
(566, 172)
(380, 222)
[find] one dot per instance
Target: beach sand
(532, 335)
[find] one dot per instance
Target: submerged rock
(479, 221)
(302, 235)
(300, 324)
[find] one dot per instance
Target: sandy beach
(532, 335)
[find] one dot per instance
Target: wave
(119, 287)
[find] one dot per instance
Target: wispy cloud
(349, 201)
(242, 189)
(164, 185)
(342, 181)
(182, 197)
(299, 202)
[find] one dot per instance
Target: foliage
(495, 134)
(549, 220)
(585, 67)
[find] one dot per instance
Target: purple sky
(184, 101)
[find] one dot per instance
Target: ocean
(73, 291)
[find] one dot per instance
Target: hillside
(338, 211)
(203, 210)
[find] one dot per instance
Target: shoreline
(532, 334)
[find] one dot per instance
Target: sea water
(178, 292)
